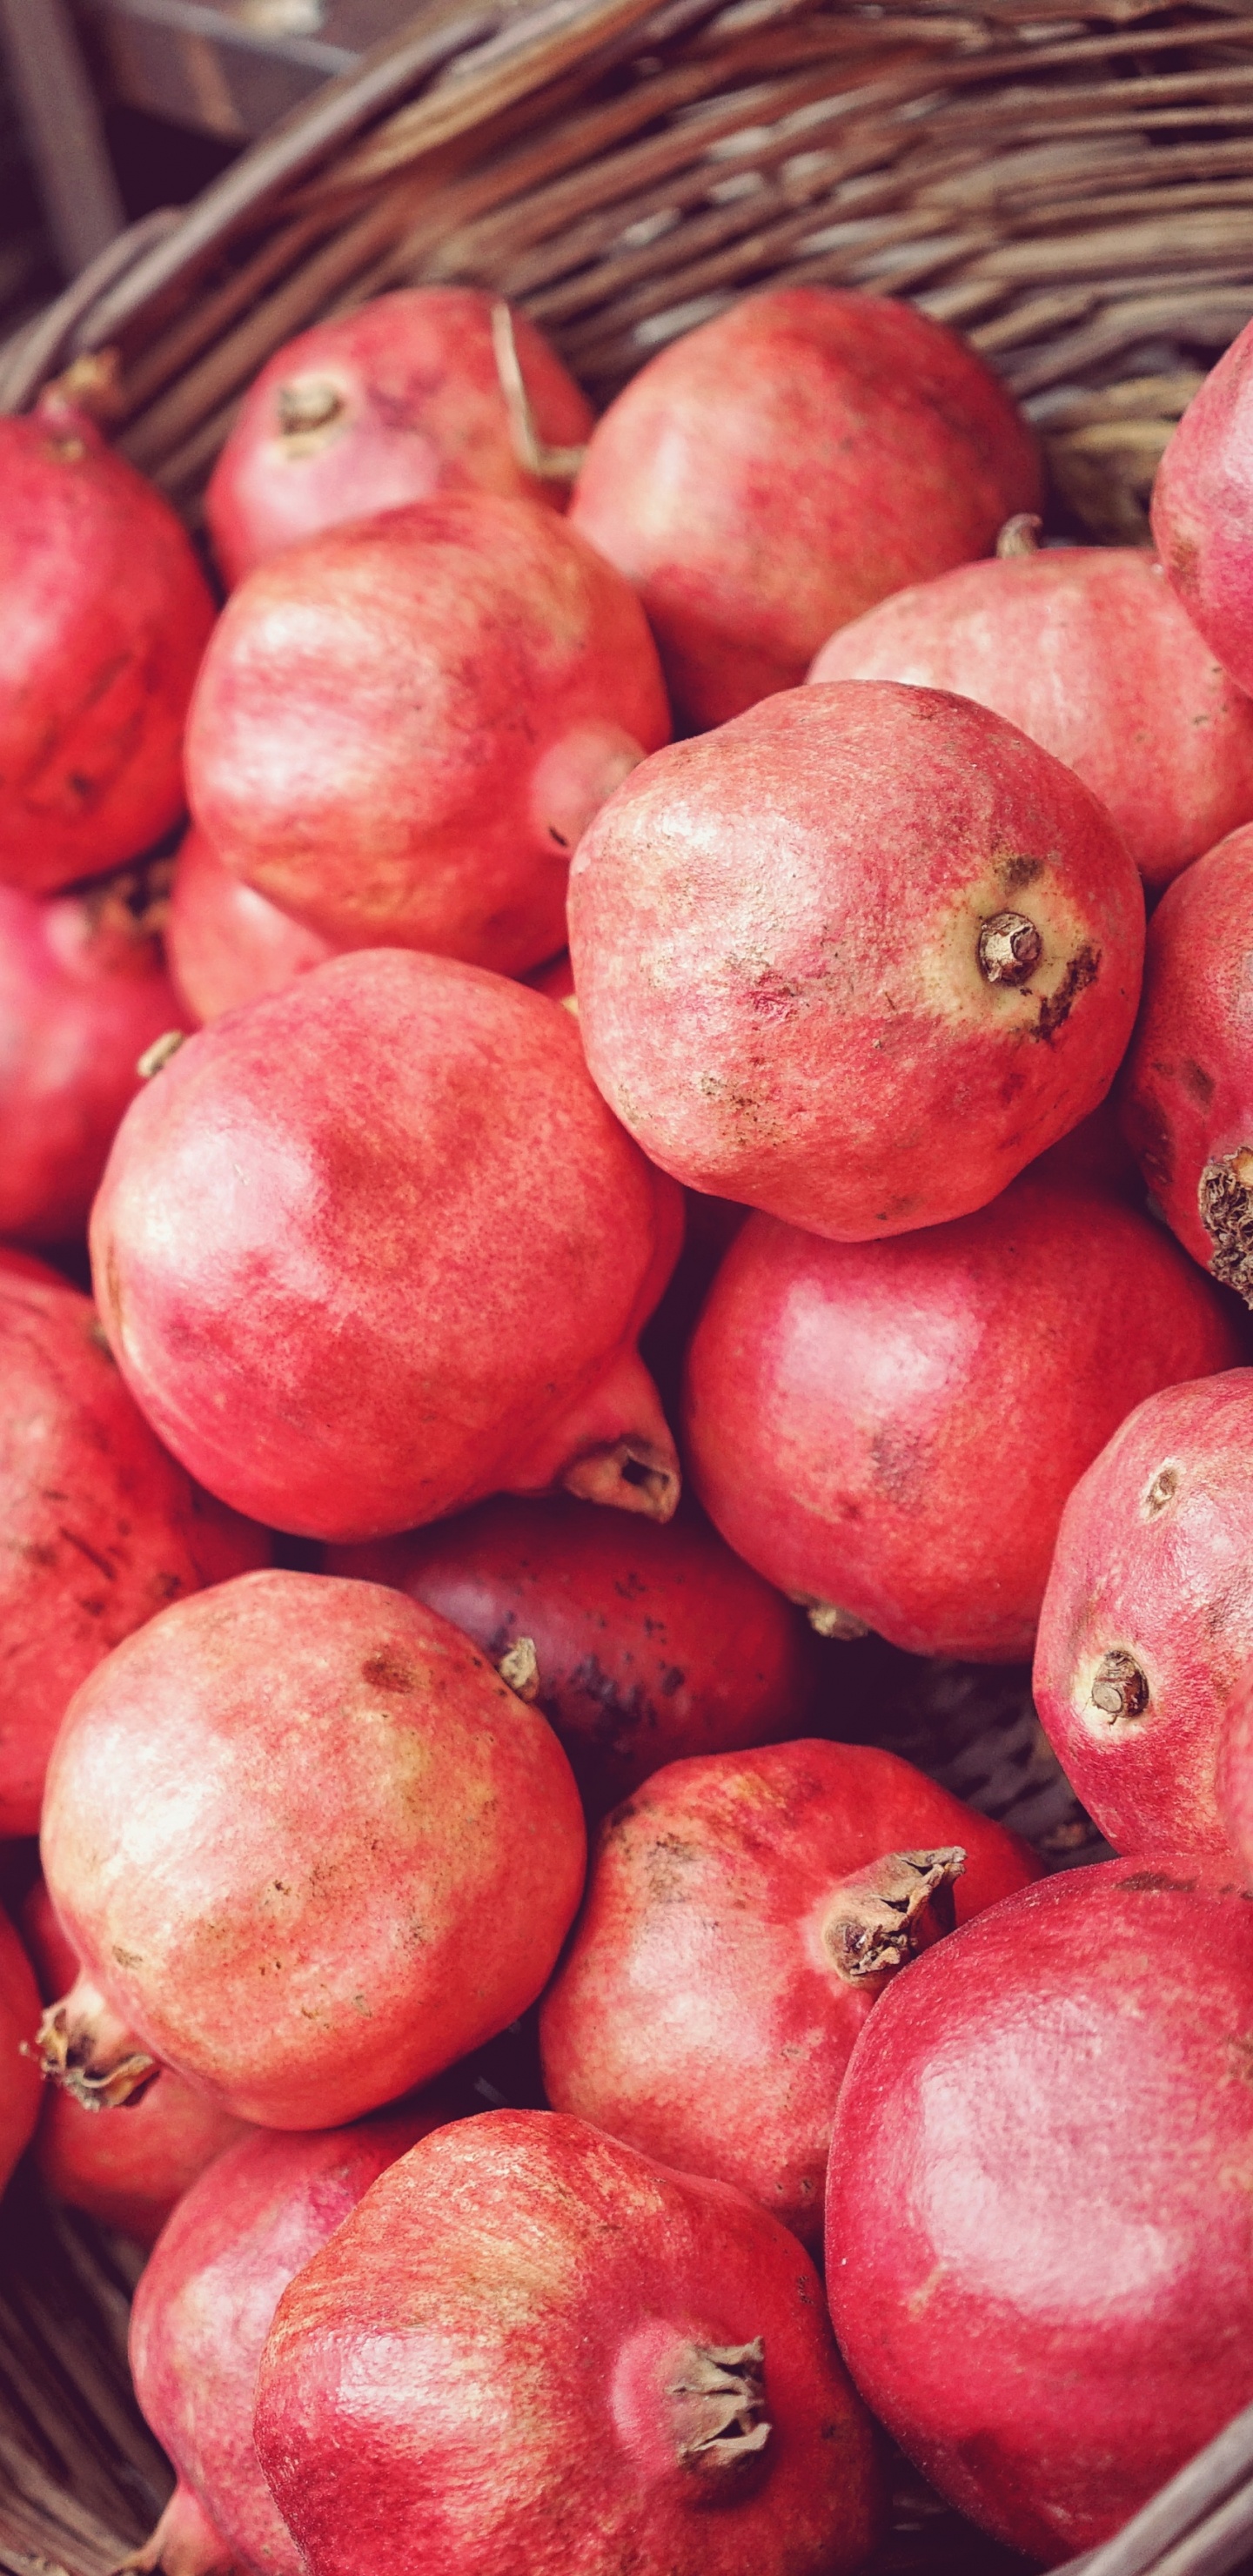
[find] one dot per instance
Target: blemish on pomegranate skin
(1156, 1882)
(390, 1672)
(1055, 1009)
(1197, 1081)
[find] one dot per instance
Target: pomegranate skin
(203, 2310)
(1202, 509)
(1148, 1604)
(20, 2087)
(1235, 1774)
(107, 614)
(891, 1430)
(374, 1249)
(498, 2349)
(410, 403)
(708, 2004)
(777, 471)
(787, 1015)
(102, 1529)
(129, 2173)
(1186, 1092)
(651, 1643)
(402, 727)
(279, 1823)
(83, 993)
(227, 944)
(1087, 649)
(1037, 2216)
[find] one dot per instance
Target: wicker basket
(1072, 186)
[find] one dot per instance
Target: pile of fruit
(347, 1578)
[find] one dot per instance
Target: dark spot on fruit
(1017, 873)
(1163, 1489)
(1197, 1081)
(1182, 564)
(387, 1671)
(127, 1958)
(1055, 1008)
(1156, 1882)
(558, 837)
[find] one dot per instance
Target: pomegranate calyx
(519, 1667)
(87, 2049)
(183, 2543)
(1010, 948)
(156, 1057)
(717, 2403)
(1225, 1201)
(632, 1474)
(1119, 1689)
(1020, 535)
(879, 1920)
(308, 405)
(827, 1619)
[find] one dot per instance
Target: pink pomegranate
(226, 943)
(83, 994)
(648, 1643)
(743, 1915)
(1203, 509)
(102, 1529)
(1235, 1773)
(402, 727)
(129, 2173)
(541, 2350)
(1187, 1086)
(890, 1431)
(20, 2088)
(776, 472)
(1088, 650)
(308, 1848)
(375, 1249)
(386, 405)
(107, 614)
(201, 2316)
(1147, 1623)
(937, 912)
(1038, 2211)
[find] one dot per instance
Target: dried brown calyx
(1225, 1200)
(519, 1667)
(309, 404)
(156, 1057)
(85, 2047)
(884, 1915)
(631, 1474)
(1010, 948)
(1019, 536)
(717, 2406)
(1119, 1689)
(827, 1619)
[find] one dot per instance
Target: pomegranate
(648, 1643)
(389, 404)
(129, 2173)
(107, 614)
(308, 1848)
(1203, 509)
(83, 994)
(201, 2316)
(1087, 649)
(937, 913)
(101, 1527)
(1147, 1622)
(402, 727)
(19, 2085)
(890, 1431)
(1038, 2204)
(541, 2350)
(226, 943)
(777, 471)
(556, 978)
(375, 1249)
(1186, 1091)
(743, 1914)
(1235, 1772)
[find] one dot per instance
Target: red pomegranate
(129, 2173)
(1038, 2205)
(777, 471)
(1235, 1773)
(1147, 1622)
(83, 994)
(201, 2315)
(226, 943)
(107, 614)
(102, 1529)
(308, 1848)
(1088, 650)
(386, 405)
(375, 1249)
(541, 2350)
(1203, 509)
(937, 913)
(20, 2088)
(648, 1643)
(402, 727)
(743, 1915)
(1186, 1090)
(890, 1431)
